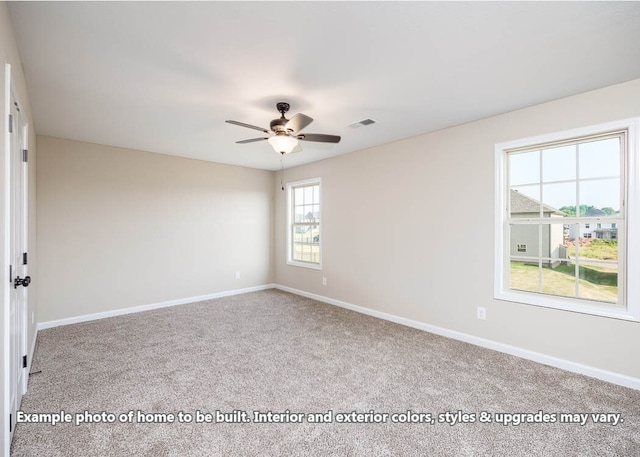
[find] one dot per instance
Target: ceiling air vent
(367, 121)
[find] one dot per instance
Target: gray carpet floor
(274, 351)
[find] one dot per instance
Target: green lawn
(597, 249)
(596, 282)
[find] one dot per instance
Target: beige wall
(408, 230)
(119, 228)
(9, 54)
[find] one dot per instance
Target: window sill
(313, 266)
(567, 304)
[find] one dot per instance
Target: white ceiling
(163, 77)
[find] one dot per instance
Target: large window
(303, 221)
(572, 199)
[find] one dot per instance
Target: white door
(19, 260)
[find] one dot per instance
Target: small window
(303, 215)
(586, 226)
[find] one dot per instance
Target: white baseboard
(604, 375)
(138, 309)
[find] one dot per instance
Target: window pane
(598, 281)
(307, 213)
(573, 236)
(524, 276)
(559, 279)
(308, 195)
(559, 164)
(559, 198)
(554, 243)
(599, 158)
(298, 213)
(600, 197)
(525, 235)
(524, 167)
(302, 232)
(524, 201)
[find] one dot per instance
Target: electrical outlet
(237, 275)
(482, 313)
(324, 281)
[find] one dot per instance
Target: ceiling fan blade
(250, 140)
(249, 126)
(320, 137)
(298, 122)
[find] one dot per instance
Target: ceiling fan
(284, 133)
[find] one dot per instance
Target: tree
(571, 210)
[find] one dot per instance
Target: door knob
(22, 282)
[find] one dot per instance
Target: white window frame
(290, 188)
(630, 257)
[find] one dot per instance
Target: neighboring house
(607, 233)
(601, 230)
(525, 239)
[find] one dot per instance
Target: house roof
(595, 212)
(521, 203)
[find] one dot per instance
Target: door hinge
(24, 258)
(24, 361)
(10, 422)
(10, 123)
(25, 155)
(11, 273)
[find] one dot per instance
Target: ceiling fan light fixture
(284, 133)
(283, 144)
